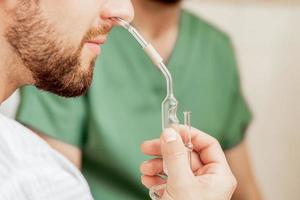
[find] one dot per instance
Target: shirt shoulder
(21, 143)
(42, 183)
(32, 169)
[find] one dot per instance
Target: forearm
(70, 152)
(240, 164)
(250, 192)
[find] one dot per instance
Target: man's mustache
(95, 32)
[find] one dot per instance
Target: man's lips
(94, 45)
(97, 41)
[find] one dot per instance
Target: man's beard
(54, 64)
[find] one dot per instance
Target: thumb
(175, 156)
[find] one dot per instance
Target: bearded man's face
(58, 41)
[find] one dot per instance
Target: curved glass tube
(169, 104)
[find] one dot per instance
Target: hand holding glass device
(196, 181)
(169, 104)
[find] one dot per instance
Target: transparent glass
(169, 105)
(156, 192)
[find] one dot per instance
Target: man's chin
(70, 91)
(72, 85)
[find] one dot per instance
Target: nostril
(121, 22)
(121, 9)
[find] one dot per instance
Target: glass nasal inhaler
(170, 103)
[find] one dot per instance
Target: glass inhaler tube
(169, 104)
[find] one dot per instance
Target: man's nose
(118, 8)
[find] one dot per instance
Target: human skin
(162, 34)
(208, 178)
(52, 44)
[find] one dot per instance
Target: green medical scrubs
(122, 108)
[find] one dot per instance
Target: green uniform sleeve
(239, 120)
(57, 117)
(239, 114)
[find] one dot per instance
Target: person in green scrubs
(122, 108)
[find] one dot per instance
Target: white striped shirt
(31, 170)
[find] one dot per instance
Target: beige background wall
(267, 40)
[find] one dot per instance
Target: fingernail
(170, 135)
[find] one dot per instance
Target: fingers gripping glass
(169, 104)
